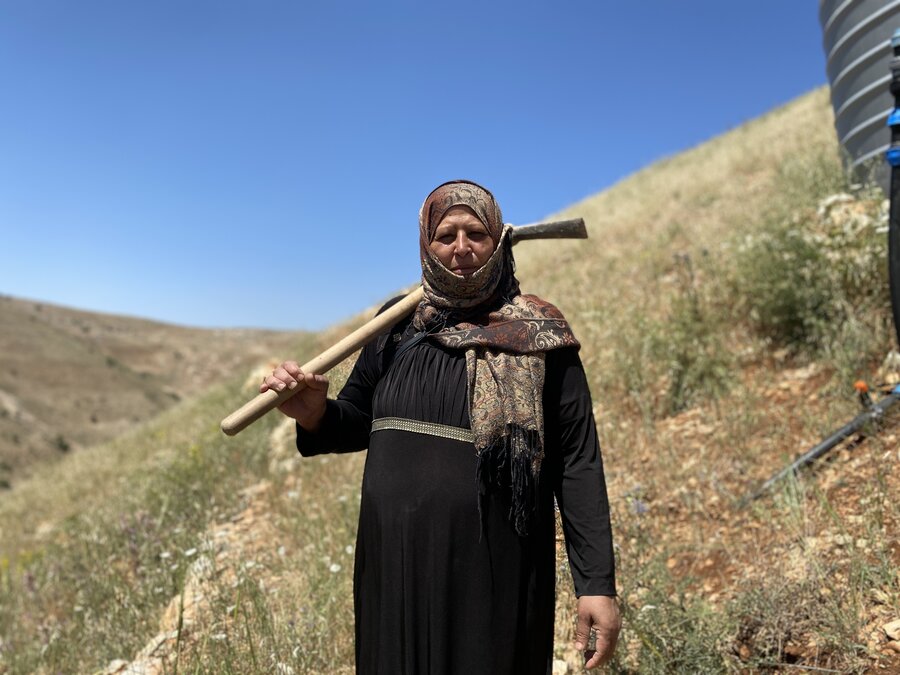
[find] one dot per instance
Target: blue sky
(221, 163)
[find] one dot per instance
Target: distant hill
(71, 378)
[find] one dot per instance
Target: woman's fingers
(317, 382)
(280, 379)
(283, 375)
(289, 375)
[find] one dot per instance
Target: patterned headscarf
(505, 335)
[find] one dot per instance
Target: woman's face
(461, 241)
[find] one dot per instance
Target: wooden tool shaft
(269, 400)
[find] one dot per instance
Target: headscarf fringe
(509, 463)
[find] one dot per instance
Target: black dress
(439, 588)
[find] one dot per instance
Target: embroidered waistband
(430, 428)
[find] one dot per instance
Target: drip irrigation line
(873, 413)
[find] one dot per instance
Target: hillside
(726, 301)
(70, 379)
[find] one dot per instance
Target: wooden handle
(269, 400)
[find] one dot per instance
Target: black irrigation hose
(873, 413)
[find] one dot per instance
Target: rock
(881, 597)
(560, 667)
(45, 529)
(892, 629)
(829, 202)
(842, 539)
(890, 367)
(794, 650)
(894, 646)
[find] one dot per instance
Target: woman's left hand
(599, 613)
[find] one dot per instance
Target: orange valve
(862, 389)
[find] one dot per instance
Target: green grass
(94, 591)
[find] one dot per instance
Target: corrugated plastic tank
(857, 41)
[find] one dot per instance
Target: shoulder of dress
(393, 335)
(390, 303)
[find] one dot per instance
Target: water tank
(857, 40)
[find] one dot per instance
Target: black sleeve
(348, 419)
(579, 484)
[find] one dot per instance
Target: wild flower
(638, 507)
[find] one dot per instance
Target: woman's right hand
(307, 406)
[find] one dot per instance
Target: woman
(475, 412)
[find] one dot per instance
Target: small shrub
(61, 444)
(690, 345)
(633, 372)
(670, 635)
(666, 365)
(787, 622)
(664, 628)
(801, 281)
